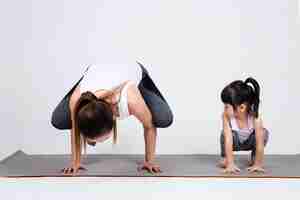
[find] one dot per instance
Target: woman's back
(108, 76)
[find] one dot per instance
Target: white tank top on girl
(109, 76)
(243, 133)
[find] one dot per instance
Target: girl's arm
(230, 166)
(140, 110)
(228, 140)
(259, 139)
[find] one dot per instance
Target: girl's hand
(231, 169)
(72, 170)
(256, 168)
(150, 167)
(222, 163)
(228, 111)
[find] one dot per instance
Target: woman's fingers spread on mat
(72, 170)
(150, 167)
(157, 169)
(67, 170)
(82, 168)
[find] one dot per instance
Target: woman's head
(243, 96)
(93, 122)
(94, 117)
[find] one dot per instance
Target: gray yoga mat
(20, 164)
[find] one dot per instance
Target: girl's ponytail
(254, 95)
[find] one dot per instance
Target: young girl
(243, 128)
(106, 93)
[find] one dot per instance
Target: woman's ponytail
(254, 95)
(85, 98)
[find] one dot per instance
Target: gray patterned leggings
(247, 145)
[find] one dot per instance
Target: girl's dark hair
(239, 92)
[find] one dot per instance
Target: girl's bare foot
(251, 160)
(250, 163)
(256, 168)
(222, 163)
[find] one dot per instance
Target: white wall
(204, 44)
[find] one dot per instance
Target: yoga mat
(21, 164)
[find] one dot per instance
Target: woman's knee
(58, 123)
(55, 123)
(60, 118)
(222, 138)
(164, 120)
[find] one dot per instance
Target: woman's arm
(140, 110)
(111, 96)
(74, 166)
(73, 100)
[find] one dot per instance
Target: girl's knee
(266, 134)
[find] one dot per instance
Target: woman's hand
(72, 170)
(139, 109)
(231, 169)
(150, 167)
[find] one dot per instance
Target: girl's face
(241, 110)
(101, 138)
(238, 112)
(229, 110)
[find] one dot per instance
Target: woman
(106, 93)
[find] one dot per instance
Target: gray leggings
(248, 145)
(162, 115)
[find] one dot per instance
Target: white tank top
(245, 132)
(109, 76)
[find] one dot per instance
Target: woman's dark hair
(94, 116)
(243, 92)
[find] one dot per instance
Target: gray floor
(20, 164)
